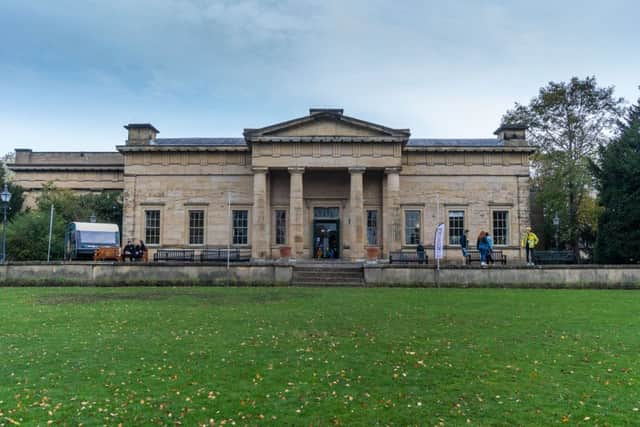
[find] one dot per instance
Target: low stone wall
(573, 276)
(90, 273)
(280, 274)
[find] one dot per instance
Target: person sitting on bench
(139, 250)
(128, 251)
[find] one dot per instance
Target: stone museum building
(325, 185)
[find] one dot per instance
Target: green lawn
(319, 356)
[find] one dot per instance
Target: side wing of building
(83, 172)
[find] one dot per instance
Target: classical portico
(324, 144)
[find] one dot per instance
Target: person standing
(483, 247)
(464, 245)
(529, 242)
(420, 253)
(489, 248)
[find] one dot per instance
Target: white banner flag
(438, 244)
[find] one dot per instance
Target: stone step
(327, 284)
(328, 275)
(328, 271)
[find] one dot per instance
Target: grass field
(288, 356)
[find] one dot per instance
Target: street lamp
(418, 233)
(5, 196)
(556, 223)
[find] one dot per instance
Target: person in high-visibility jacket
(529, 242)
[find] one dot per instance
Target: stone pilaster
(356, 214)
(296, 213)
(260, 215)
(129, 210)
(524, 213)
(391, 211)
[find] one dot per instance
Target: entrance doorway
(326, 233)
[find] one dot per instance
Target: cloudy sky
(72, 73)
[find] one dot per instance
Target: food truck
(83, 238)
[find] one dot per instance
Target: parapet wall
(280, 274)
(574, 276)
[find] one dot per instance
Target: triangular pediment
(326, 127)
(323, 123)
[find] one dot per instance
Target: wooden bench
(174, 255)
(107, 253)
(554, 257)
(498, 257)
(400, 257)
(220, 254)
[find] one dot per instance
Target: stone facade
(324, 185)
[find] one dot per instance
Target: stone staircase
(328, 274)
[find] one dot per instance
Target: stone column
(260, 215)
(356, 215)
(391, 222)
(296, 213)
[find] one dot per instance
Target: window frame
(274, 223)
(232, 228)
(404, 226)
(204, 225)
(448, 224)
(377, 226)
(507, 226)
(146, 226)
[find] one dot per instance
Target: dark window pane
(326, 213)
(196, 227)
(281, 227)
(240, 227)
(372, 227)
(411, 221)
(500, 227)
(456, 226)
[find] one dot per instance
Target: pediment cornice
(326, 125)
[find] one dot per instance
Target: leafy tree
(107, 205)
(618, 182)
(27, 237)
(568, 122)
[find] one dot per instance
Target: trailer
(83, 238)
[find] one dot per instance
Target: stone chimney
(513, 135)
(141, 133)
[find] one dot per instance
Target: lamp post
(556, 223)
(5, 196)
(417, 233)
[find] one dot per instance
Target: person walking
(489, 248)
(483, 247)
(464, 245)
(529, 242)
